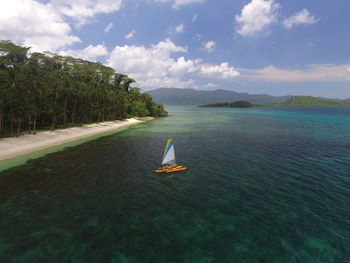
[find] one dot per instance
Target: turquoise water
(263, 185)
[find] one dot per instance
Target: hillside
(308, 101)
(175, 96)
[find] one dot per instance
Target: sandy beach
(18, 146)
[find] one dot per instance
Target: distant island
(308, 101)
(234, 104)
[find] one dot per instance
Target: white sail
(169, 154)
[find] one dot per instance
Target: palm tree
(43, 89)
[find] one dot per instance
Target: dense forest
(45, 90)
(234, 104)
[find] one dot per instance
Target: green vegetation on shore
(235, 104)
(308, 101)
(45, 90)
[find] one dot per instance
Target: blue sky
(277, 47)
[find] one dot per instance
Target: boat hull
(170, 169)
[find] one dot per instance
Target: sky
(276, 47)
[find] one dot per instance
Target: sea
(263, 185)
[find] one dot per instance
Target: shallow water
(263, 185)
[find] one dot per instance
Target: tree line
(45, 90)
(234, 104)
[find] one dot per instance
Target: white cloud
(222, 71)
(198, 37)
(257, 16)
(167, 47)
(155, 67)
(166, 82)
(90, 53)
(176, 30)
(180, 3)
(109, 27)
(82, 10)
(34, 24)
(210, 85)
(179, 29)
(209, 46)
(130, 35)
(151, 67)
(312, 73)
(44, 26)
(182, 66)
(348, 73)
(300, 18)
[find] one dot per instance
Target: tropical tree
(46, 90)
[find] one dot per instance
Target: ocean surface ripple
(263, 185)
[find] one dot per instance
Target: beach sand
(18, 146)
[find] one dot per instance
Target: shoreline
(15, 147)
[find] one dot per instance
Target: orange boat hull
(170, 169)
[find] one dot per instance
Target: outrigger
(169, 160)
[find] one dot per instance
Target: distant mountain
(175, 96)
(308, 101)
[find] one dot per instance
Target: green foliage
(139, 109)
(42, 90)
(217, 104)
(308, 101)
(235, 104)
(240, 104)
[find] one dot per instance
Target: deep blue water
(263, 185)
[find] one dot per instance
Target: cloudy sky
(277, 47)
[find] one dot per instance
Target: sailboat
(169, 164)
